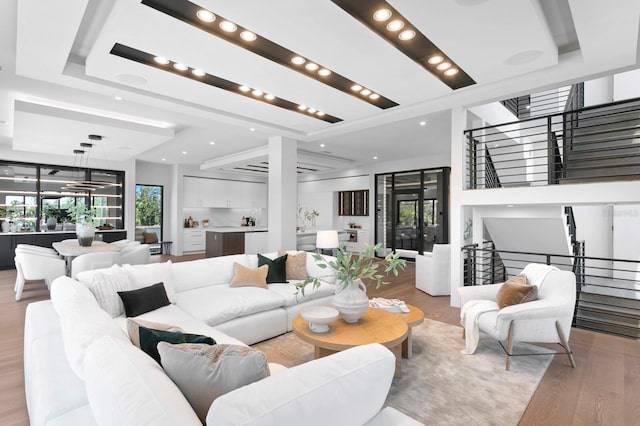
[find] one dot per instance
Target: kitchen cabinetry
(220, 193)
(194, 240)
(353, 203)
(224, 243)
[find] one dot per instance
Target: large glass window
(149, 215)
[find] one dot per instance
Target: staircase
(609, 314)
(602, 144)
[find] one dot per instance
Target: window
(149, 214)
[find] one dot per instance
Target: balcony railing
(596, 143)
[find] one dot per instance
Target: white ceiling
(58, 79)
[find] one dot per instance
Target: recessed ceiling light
(365, 92)
(320, 113)
(395, 25)
(269, 97)
(451, 71)
(252, 129)
(228, 26)
(184, 152)
(180, 67)
(244, 88)
(248, 36)
(382, 15)
(435, 59)
(407, 35)
(160, 60)
(374, 96)
(356, 88)
(322, 145)
(375, 158)
(212, 143)
(298, 60)
(164, 159)
(257, 92)
(423, 123)
(117, 98)
(197, 72)
(302, 107)
(324, 72)
(443, 66)
(205, 15)
(311, 110)
(311, 66)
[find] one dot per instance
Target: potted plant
(83, 217)
(350, 271)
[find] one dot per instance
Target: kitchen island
(226, 240)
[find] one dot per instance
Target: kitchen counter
(228, 229)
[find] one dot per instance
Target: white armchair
(36, 263)
(433, 271)
(545, 320)
(135, 255)
(91, 261)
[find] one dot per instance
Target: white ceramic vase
(85, 233)
(352, 302)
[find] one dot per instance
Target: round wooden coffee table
(414, 317)
(375, 326)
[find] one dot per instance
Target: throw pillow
(149, 339)
(204, 373)
(137, 302)
(105, 288)
(133, 328)
(149, 237)
(516, 291)
(277, 268)
(249, 276)
(296, 265)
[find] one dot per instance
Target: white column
(283, 198)
(456, 212)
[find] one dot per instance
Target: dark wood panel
(353, 203)
(223, 243)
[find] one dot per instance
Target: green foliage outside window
(148, 205)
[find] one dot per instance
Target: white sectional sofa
(81, 367)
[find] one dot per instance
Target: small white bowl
(319, 317)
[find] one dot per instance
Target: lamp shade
(327, 239)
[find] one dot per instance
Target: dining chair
(90, 261)
(36, 263)
(135, 255)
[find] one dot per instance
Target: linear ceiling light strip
(220, 27)
(388, 23)
(195, 74)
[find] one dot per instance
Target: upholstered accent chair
(91, 261)
(36, 263)
(139, 254)
(545, 320)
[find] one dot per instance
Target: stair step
(629, 108)
(610, 300)
(584, 129)
(607, 141)
(600, 150)
(607, 327)
(570, 180)
(626, 317)
(602, 171)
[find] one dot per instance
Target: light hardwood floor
(602, 390)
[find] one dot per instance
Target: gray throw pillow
(205, 372)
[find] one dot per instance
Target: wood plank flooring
(602, 390)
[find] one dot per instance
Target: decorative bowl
(319, 317)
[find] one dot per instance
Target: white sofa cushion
(205, 272)
(127, 387)
(105, 287)
(173, 315)
(81, 321)
(288, 291)
(347, 388)
(219, 303)
(152, 273)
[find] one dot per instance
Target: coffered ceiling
(60, 74)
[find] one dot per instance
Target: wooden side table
(375, 326)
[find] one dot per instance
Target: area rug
(442, 386)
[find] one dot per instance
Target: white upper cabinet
(205, 192)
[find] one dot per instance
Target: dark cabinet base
(224, 243)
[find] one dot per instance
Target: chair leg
(19, 286)
(464, 333)
(565, 343)
(509, 346)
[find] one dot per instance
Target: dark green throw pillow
(277, 268)
(149, 339)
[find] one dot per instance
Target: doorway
(149, 216)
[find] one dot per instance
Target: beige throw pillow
(133, 328)
(205, 372)
(516, 291)
(296, 265)
(245, 276)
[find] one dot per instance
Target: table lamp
(326, 240)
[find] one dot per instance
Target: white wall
(626, 85)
